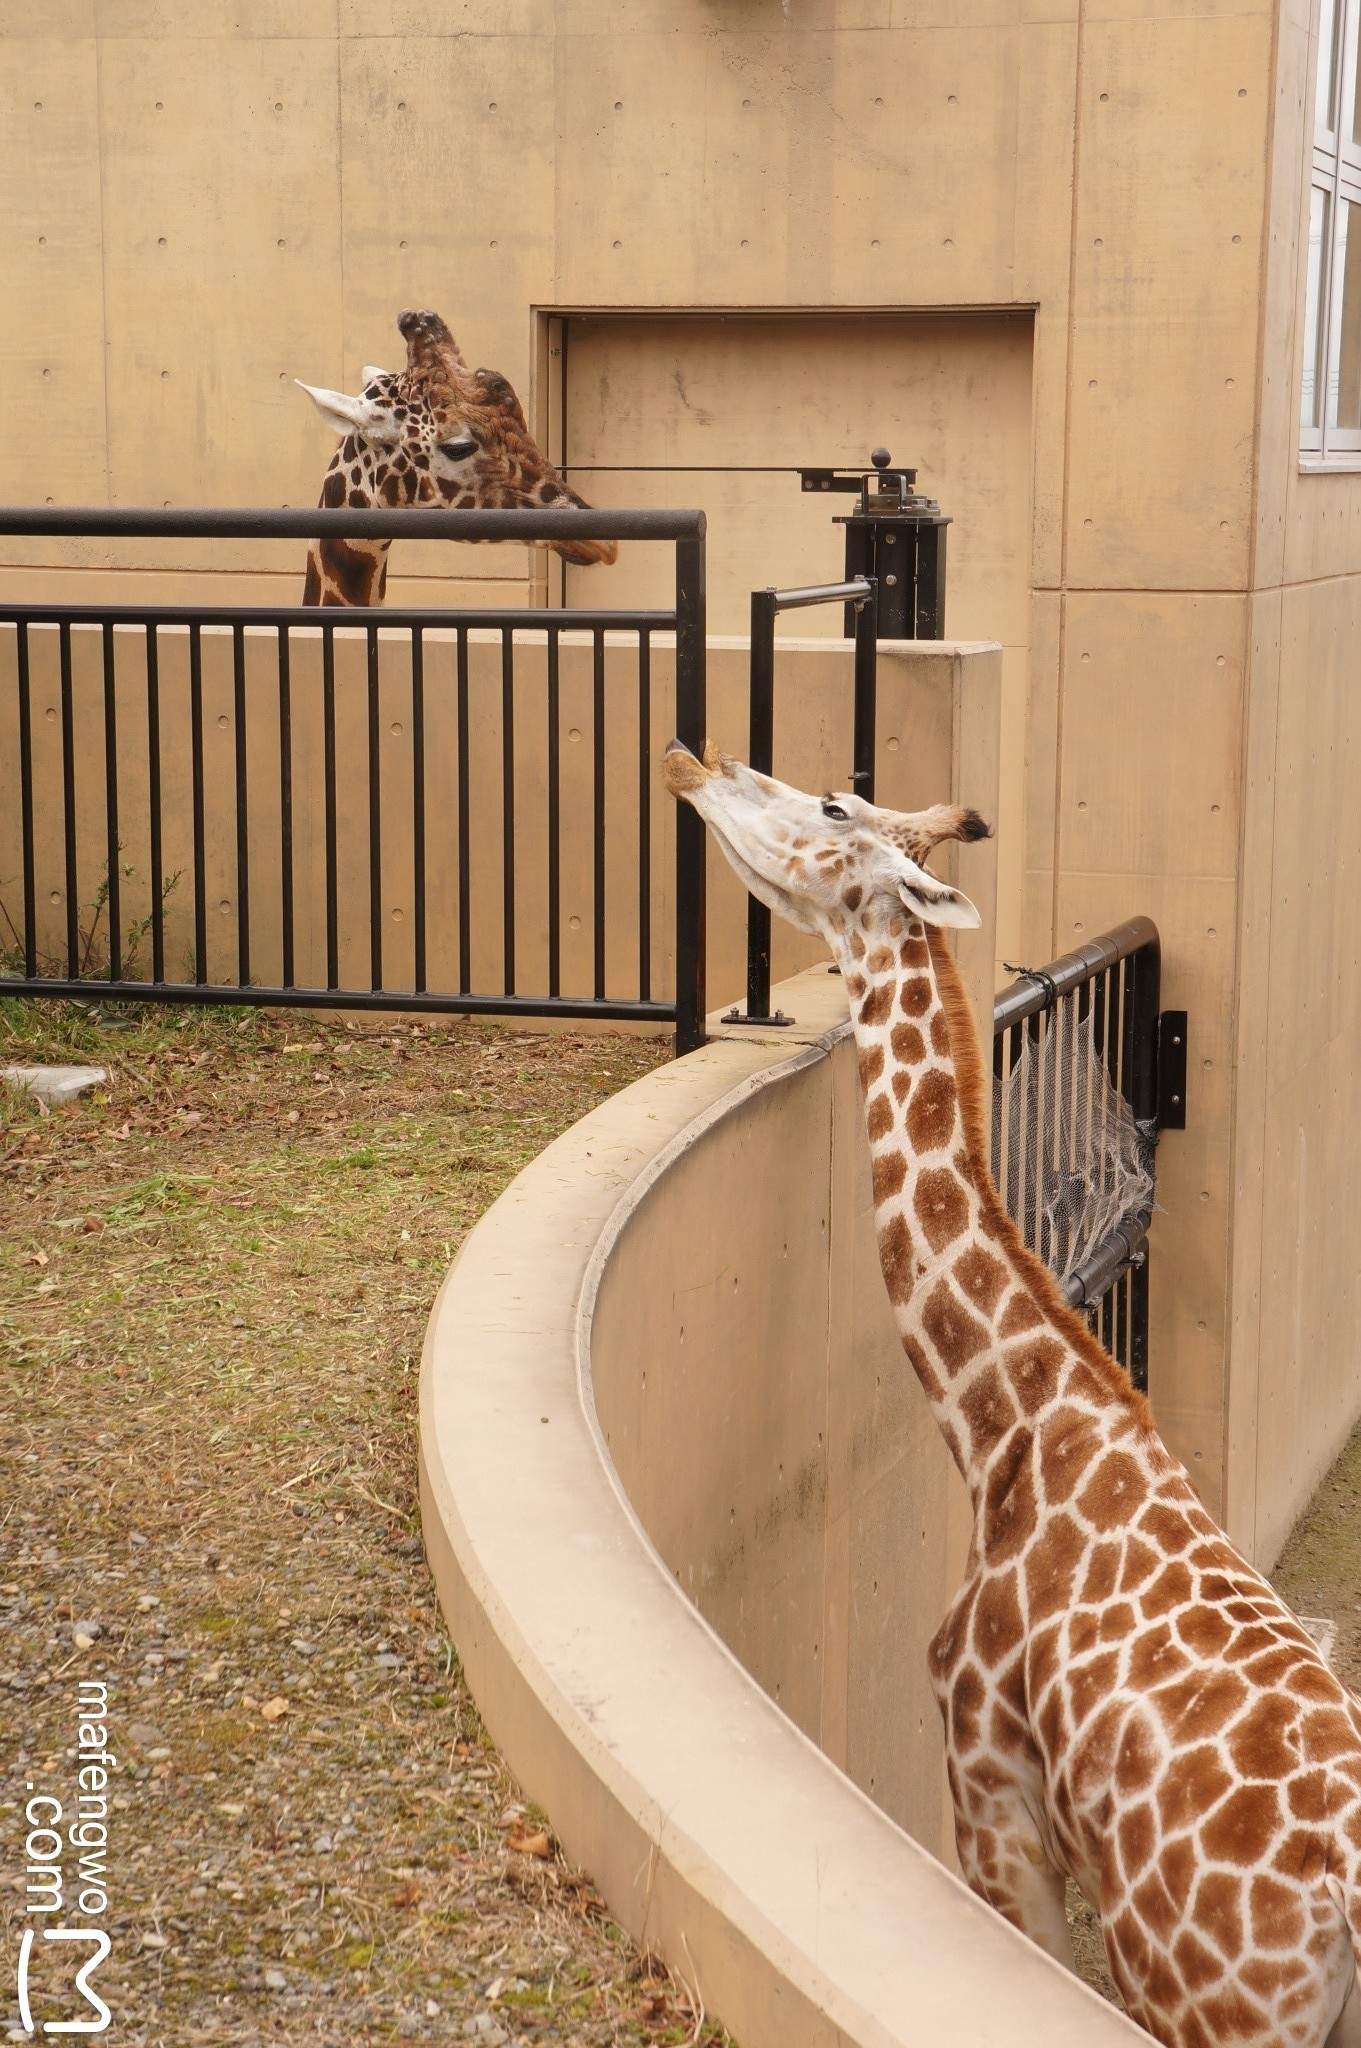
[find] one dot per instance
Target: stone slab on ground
(54, 1085)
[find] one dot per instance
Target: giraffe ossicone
(1126, 1701)
(434, 434)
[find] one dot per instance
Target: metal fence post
(866, 691)
(691, 840)
(761, 754)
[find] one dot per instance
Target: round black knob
(880, 457)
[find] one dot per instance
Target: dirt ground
(214, 1279)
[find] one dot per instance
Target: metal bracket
(736, 1016)
(1172, 1070)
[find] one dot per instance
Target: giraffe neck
(991, 1339)
(346, 572)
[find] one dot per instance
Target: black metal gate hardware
(897, 536)
(1172, 1070)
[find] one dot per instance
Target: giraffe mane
(969, 1080)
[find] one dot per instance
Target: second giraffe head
(440, 434)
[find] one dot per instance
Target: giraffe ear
(353, 415)
(935, 902)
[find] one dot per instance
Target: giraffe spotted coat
(435, 434)
(1126, 1701)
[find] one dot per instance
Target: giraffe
(1126, 1701)
(435, 433)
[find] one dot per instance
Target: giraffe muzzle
(684, 771)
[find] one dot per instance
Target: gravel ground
(214, 1280)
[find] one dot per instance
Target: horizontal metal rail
(246, 751)
(1028, 996)
(147, 522)
(461, 1001)
(300, 618)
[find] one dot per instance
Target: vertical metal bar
(691, 717)
(1145, 975)
(644, 815)
(554, 820)
(328, 743)
(26, 801)
(761, 752)
(114, 900)
(860, 561)
(866, 693)
(1032, 1143)
(196, 779)
(464, 880)
(998, 1151)
(1044, 1110)
(1138, 1325)
(153, 742)
(508, 811)
(242, 808)
(1016, 1038)
(286, 806)
(1145, 998)
(929, 609)
(68, 793)
(598, 805)
(418, 800)
(375, 818)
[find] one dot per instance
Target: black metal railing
(861, 599)
(112, 711)
(1101, 1005)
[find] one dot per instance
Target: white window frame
(1335, 171)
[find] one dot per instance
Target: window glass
(1319, 202)
(1345, 394)
(1325, 87)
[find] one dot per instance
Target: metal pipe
(114, 897)
(857, 591)
(1022, 998)
(325, 620)
(760, 749)
(866, 693)
(248, 522)
(456, 1001)
(26, 804)
(418, 805)
(691, 843)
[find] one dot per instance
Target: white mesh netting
(1070, 1160)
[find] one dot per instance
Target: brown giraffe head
(434, 434)
(822, 862)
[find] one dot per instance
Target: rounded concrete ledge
(720, 1834)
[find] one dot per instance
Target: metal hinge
(1172, 1070)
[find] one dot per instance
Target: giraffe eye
(831, 810)
(459, 449)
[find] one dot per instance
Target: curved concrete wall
(771, 1443)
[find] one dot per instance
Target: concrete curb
(719, 1834)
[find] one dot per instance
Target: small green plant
(92, 955)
